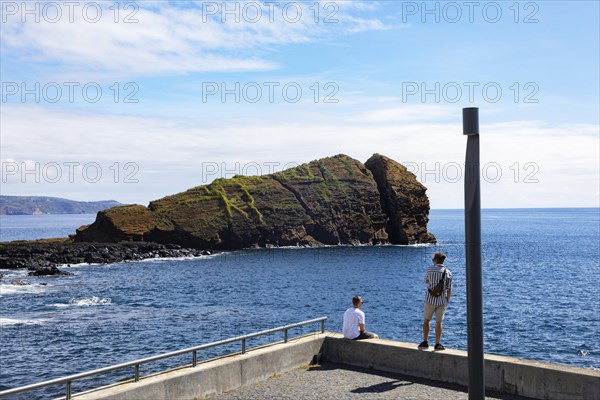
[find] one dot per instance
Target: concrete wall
(216, 376)
(533, 379)
(503, 374)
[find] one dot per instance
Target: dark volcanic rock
(403, 200)
(48, 271)
(43, 258)
(335, 200)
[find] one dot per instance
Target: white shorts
(439, 311)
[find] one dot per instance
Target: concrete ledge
(516, 376)
(216, 376)
(510, 375)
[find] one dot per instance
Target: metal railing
(136, 363)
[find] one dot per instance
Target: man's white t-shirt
(352, 317)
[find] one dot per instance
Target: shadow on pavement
(397, 381)
(381, 387)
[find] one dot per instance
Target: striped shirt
(432, 278)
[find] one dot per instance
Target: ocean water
(541, 297)
(25, 227)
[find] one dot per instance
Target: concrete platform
(375, 368)
(516, 376)
(339, 381)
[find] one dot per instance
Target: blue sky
(362, 76)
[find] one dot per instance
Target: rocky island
(331, 201)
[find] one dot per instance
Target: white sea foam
(300, 247)
(91, 301)
(12, 273)
(150, 259)
(159, 259)
(84, 264)
(60, 305)
(10, 321)
(6, 289)
(328, 246)
(84, 302)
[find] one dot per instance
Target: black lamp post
(473, 255)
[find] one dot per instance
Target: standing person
(354, 322)
(439, 289)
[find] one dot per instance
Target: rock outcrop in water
(334, 200)
(43, 257)
(403, 200)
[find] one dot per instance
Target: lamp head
(470, 121)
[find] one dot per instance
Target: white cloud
(168, 38)
(423, 112)
(364, 24)
(539, 165)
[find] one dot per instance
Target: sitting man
(354, 322)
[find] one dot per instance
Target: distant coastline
(39, 205)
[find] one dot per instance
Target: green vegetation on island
(334, 200)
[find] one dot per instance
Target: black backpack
(439, 288)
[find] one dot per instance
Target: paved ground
(339, 382)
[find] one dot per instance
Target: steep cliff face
(403, 200)
(334, 200)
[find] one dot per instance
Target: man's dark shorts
(365, 335)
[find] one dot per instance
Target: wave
(59, 305)
(149, 259)
(10, 321)
(330, 246)
(583, 352)
(85, 302)
(159, 259)
(11, 273)
(91, 301)
(6, 289)
(83, 264)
